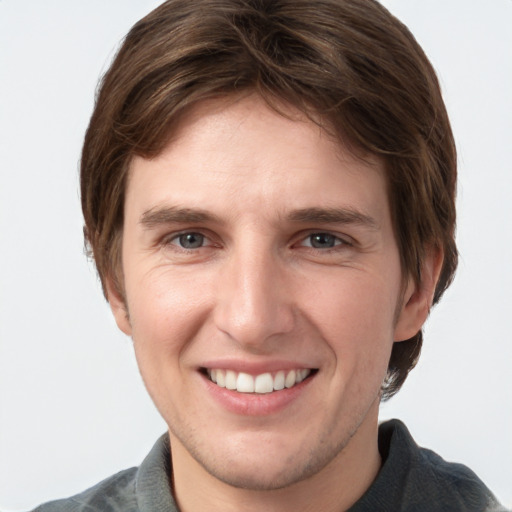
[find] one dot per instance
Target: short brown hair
(348, 62)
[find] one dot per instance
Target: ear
(118, 306)
(417, 299)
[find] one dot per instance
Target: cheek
(355, 304)
(356, 320)
(166, 310)
(165, 315)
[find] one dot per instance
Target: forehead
(251, 155)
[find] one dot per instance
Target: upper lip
(255, 367)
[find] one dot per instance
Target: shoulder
(453, 483)
(417, 479)
(143, 489)
(114, 494)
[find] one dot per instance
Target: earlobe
(417, 299)
(118, 306)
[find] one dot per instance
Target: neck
(333, 489)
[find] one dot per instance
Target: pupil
(322, 240)
(191, 240)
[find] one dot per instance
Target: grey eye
(322, 240)
(191, 240)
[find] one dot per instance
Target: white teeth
(290, 379)
(302, 374)
(230, 379)
(279, 381)
(245, 383)
(221, 378)
(263, 383)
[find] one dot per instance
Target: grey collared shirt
(411, 479)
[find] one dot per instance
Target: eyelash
(339, 242)
(174, 240)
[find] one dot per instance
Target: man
(268, 192)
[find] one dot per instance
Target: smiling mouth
(260, 384)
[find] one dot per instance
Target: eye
(189, 240)
(322, 241)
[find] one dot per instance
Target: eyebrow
(333, 216)
(173, 214)
(168, 215)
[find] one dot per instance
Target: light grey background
(72, 406)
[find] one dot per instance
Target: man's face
(259, 253)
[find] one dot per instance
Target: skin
(258, 291)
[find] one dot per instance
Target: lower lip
(256, 404)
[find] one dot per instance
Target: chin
(260, 478)
(268, 469)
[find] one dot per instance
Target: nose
(254, 304)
